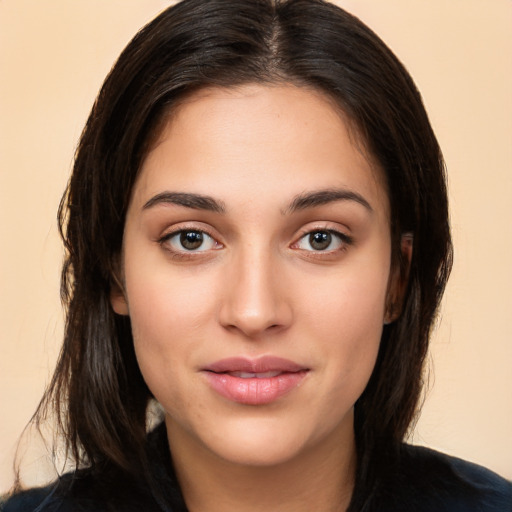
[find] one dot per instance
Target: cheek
(350, 332)
(164, 301)
(345, 318)
(347, 305)
(169, 315)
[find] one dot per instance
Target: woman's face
(255, 264)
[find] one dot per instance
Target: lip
(272, 378)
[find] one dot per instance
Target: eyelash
(183, 253)
(344, 241)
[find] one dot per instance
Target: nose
(254, 302)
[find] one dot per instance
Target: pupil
(191, 239)
(320, 240)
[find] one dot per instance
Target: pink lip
(257, 390)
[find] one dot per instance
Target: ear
(117, 295)
(398, 280)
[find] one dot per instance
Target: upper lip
(259, 365)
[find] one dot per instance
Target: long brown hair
(97, 390)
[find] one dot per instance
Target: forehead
(286, 137)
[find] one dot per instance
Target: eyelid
(176, 230)
(345, 239)
(205, 243)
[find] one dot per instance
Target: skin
(256, 286)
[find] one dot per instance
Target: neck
(320, 478)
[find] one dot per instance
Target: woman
(257, 235)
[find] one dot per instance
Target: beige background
(53, 57)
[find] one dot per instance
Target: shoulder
(110, 489)
(81, 492)
(428, 481)
(35, 500)
(27, 500)
(52, 498)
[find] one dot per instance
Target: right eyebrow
(188, 200)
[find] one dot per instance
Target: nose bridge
(254, 302)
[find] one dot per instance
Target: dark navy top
(424, 481)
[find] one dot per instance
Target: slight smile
(254, 381)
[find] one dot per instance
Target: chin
(258, 440)
(264, 450)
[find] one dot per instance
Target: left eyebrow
(188, 200)
(322, 197)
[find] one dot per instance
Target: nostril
(254, 308)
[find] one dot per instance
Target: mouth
(254, 381)
(250, 375)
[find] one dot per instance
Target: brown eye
(191, 240)
(324, 240)
(320, 240)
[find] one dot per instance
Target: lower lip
(254, 391)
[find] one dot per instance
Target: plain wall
(54, 55)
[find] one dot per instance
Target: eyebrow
(322, 197)
(300, 202)
(188, 200)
